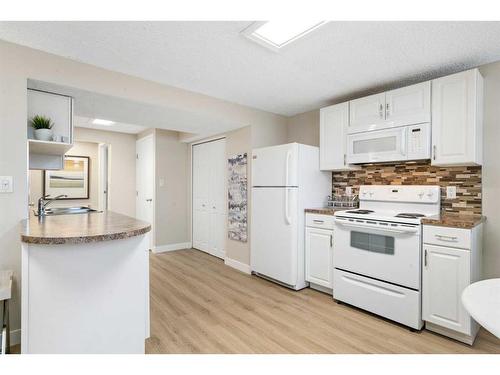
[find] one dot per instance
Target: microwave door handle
(404, 140)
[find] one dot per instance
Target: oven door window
(375, 243)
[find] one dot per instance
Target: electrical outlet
(348, 190)
(6, 184)
(451, 192)
(162, 182)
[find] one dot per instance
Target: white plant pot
(43, 134)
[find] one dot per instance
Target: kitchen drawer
(319, 221)
(446, 236)
(391, 301)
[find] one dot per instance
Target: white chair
(5, 294)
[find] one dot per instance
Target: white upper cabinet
(408, 105)
(457, 120)
(405, 106)
(334, 121)
(366, 113)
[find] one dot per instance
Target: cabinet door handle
(345, 159)
(331, 240)
(425, 257)
(318, 221)
(387, 110)
(381, 110)
(434, 152)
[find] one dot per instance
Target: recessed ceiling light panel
(99, 121)
(277, 34)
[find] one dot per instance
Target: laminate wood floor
(199, 305)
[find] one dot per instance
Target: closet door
(201, 167)
(217, 198)
(209, 197)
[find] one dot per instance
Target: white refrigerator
(285, 180)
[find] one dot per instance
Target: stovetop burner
(361, 212)
(409, 215)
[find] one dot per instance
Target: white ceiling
(120, 127)
(338, 61)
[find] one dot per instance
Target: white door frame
(191, 145)
(153, 221)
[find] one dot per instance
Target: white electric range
(377, 251)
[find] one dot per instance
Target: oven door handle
(376, 227)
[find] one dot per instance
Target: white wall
(17, 64)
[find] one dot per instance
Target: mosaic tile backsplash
(466, 179)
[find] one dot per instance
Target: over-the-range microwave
(411, 142)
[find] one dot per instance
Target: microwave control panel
(419, 141)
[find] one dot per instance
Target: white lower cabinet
(450, 264)
(445, 276)
(319, 255)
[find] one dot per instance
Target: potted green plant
(43, 127)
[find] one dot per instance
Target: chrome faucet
(43, 202)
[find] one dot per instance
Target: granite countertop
(454, 220)
(325, 210)
(81, 228)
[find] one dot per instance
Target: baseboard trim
(15, 337)
(467, 339)
(245, 268)
(172, 247)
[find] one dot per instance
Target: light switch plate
(6, 184)
(451, 192)
(162, 182)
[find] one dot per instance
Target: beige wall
(304, 128)
(17, 64)
(172, 170)
(79, 149)
(491, 170)
(121, 183)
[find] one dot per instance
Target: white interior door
(209, 197)
(145, 180)
(103, 177)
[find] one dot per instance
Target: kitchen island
(85, 284)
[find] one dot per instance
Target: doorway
(145, 182)
(209, 197)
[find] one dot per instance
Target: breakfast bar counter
(81, 228)
(85, 284)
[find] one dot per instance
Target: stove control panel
(400, 193)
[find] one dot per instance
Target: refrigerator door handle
(287, 167)
(288, 219)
